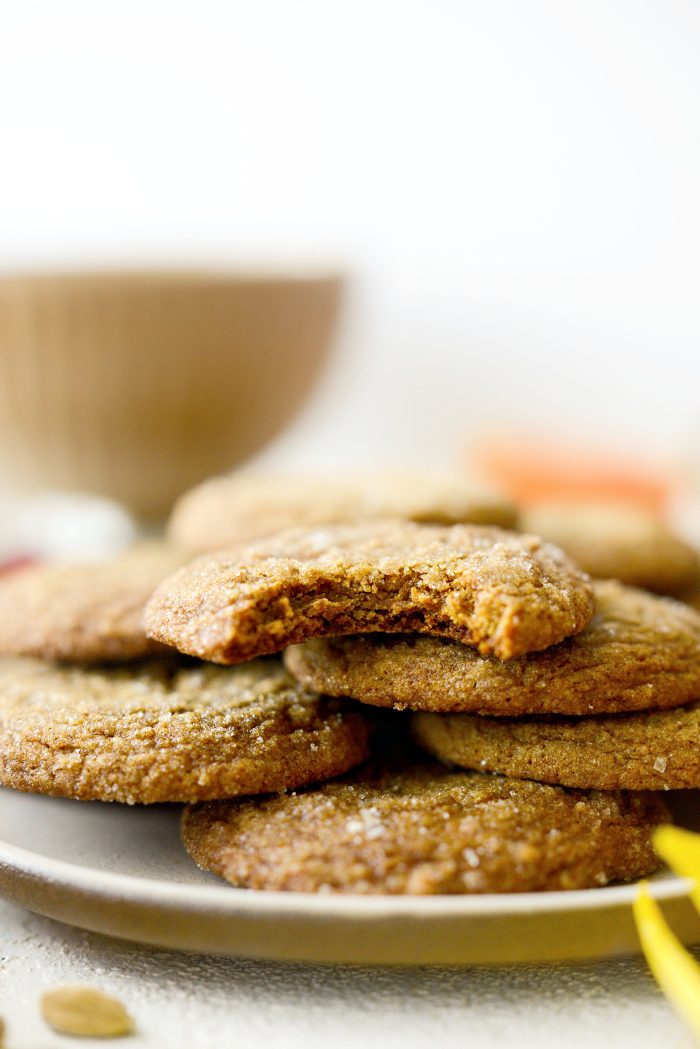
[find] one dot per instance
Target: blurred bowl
(137, 385)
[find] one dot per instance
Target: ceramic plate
(122, 871)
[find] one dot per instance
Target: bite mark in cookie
(638, 652)
(502, 593)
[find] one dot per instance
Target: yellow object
(680, 849)
(674, 968)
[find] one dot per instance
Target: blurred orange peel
(674, 969)
(540, 469)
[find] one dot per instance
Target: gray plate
(122, 871)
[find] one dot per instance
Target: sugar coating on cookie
(244, 506)
(638, 652)
(656, 750)
(160, 731)
(501, 592)
(424, 830)
(79, 612)
(619, 542)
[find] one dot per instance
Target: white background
(515, 185)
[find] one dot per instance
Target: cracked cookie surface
(163, 731)
(503, 593)
(638, 652)
(421, 829)
(226, 510)
(84, 612)
(656, 750)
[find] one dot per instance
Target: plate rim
(157, 892)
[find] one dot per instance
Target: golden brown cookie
(422, 830)
(618, 542)
(79, 612)
(504, 593)
(244, 506)
(656, 750)
(161, 731)
(638, 652)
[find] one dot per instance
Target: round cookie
(422, 830)
(84, 612)
(638, 652)
(501, 592)
(656, 750)
(160, 731)
(244, 506)
(619, 542)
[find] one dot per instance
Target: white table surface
(192, 1001)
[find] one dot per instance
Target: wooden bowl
(138, 385)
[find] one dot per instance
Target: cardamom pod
(85, 1012)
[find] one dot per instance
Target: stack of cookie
(518, 671)
(91, 708)
(419, 595)
(612, 708)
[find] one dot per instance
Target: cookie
(504, 593)
(83, 612)
(638, 652)
(160, 731)
(616, 542)
(227, 510)
(421, 829)
(656, 750)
